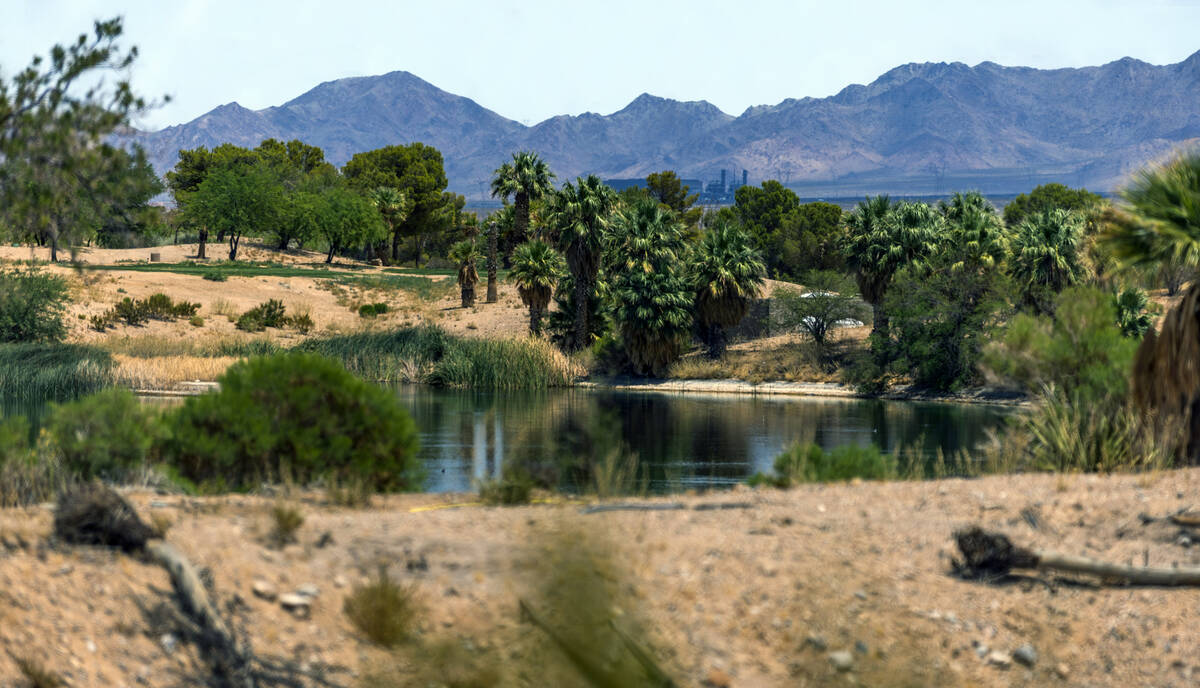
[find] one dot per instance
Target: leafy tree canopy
(666, 188)
(1048, 197)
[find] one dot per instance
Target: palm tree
(881, 239)
(726, 274)
(394, 207)
(526, 179)
(651, 295)
(493, 233)
(466, 255)
(1047, 256)
(578, 215)
(1160, 225)
(536, 268)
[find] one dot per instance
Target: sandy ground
(332, 307)
(755, 596)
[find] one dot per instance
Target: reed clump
(39, 372)
(429, 354)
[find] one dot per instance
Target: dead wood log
(988, 554)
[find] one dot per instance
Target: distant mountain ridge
(917, 128)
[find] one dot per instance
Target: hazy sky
(531, 60)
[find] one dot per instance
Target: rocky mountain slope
(919, 127)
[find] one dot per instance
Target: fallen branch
(988, 554)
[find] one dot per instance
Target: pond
(676, 441)
(671, 442)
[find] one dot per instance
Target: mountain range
(919, 128)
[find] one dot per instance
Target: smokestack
(745, 176)
(723, 187)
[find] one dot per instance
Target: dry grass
(382, 610)
(36, 675)
(166, 372)
(792, 362)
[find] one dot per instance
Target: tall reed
(55, 372)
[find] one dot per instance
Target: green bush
(31, 306)
(107, 435)
(515, 486)
(196, 321)
(297, 415)
(370, 310)
(215, 276)
(809, 463)
(271, 313)
(1079, 350)
(382, 610)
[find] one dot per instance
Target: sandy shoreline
(758, 595)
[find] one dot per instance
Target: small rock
(1025, 655)
(1183, 541)
(860, 594)
(841, 660)
(860, 647)
(158, 504)
(816, 642)
(1062, 670)
(309, 590)
(981, 650)
(169, 642)
(298, 605)
(325, 540)
(340, 582)
(264, 590)
(717, 679)
(999, 659)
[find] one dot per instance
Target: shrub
(196, 321)
(36, 674)
(515, 486)
(31, 306)
(1078, 350)
(809, 463)
(286, 519)
(303, 323)
(28, 474)
(106, 435)
(271, 313)
(370, 310)
(297, 414)
(215, 276)
(382, 610)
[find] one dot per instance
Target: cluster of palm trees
(624, 268)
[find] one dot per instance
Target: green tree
(578, 216)
(651, 295)
(56, 116)
(418, 171)
(1047, 256)
(811, 240)
(1048, 197)
(977, 235)
(726, 274)
(829, 298)
(1133, 315)
(300, 416)
(346, 220)
(526, 179)
(536, 269)
(394, 207)
(109, 435)
(666, 188)
(884, 238)
(466, 255)
(238, 202)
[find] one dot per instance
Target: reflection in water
(679, 440)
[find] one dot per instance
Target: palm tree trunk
(493, 231)
(879, 320)
(582, 312)
(535, 320)
(396, 246)
(468, 295)
(521, 219)
(716, 341)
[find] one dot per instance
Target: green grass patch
(431, 355)
(52, 372)
(809, 463)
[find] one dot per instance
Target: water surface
(679, 440)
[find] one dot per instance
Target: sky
(534, 59)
